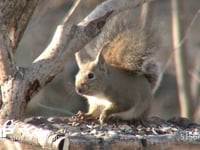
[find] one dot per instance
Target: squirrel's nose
(81, 88)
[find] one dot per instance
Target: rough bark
(6, 56)
(15, 16)
(75, 133)
(25, 82)
(34, 135)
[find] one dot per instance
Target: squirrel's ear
(101, 61)
(78, 60)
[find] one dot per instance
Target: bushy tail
(124, 45)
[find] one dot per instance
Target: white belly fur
(98, 101)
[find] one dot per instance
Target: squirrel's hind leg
(107, 113)
(130, 114)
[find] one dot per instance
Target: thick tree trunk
(12, 26)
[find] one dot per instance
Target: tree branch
(74, 133)
(71, 12)
(34, 135)
(6, 57)
(16, 15)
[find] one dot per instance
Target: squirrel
(119, 83)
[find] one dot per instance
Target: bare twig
(196, 80)
(189, 28)
(71, 12)
(54, 109)
(195, 77)
(147, 16)
(180, 61)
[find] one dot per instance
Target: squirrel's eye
(90, 75)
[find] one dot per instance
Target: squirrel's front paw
(81, 114)
(104, 116)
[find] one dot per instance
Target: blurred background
(59, 98)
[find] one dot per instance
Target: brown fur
(122, 76)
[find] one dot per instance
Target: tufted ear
(100, 58)
(100, 61)
(79, 60)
